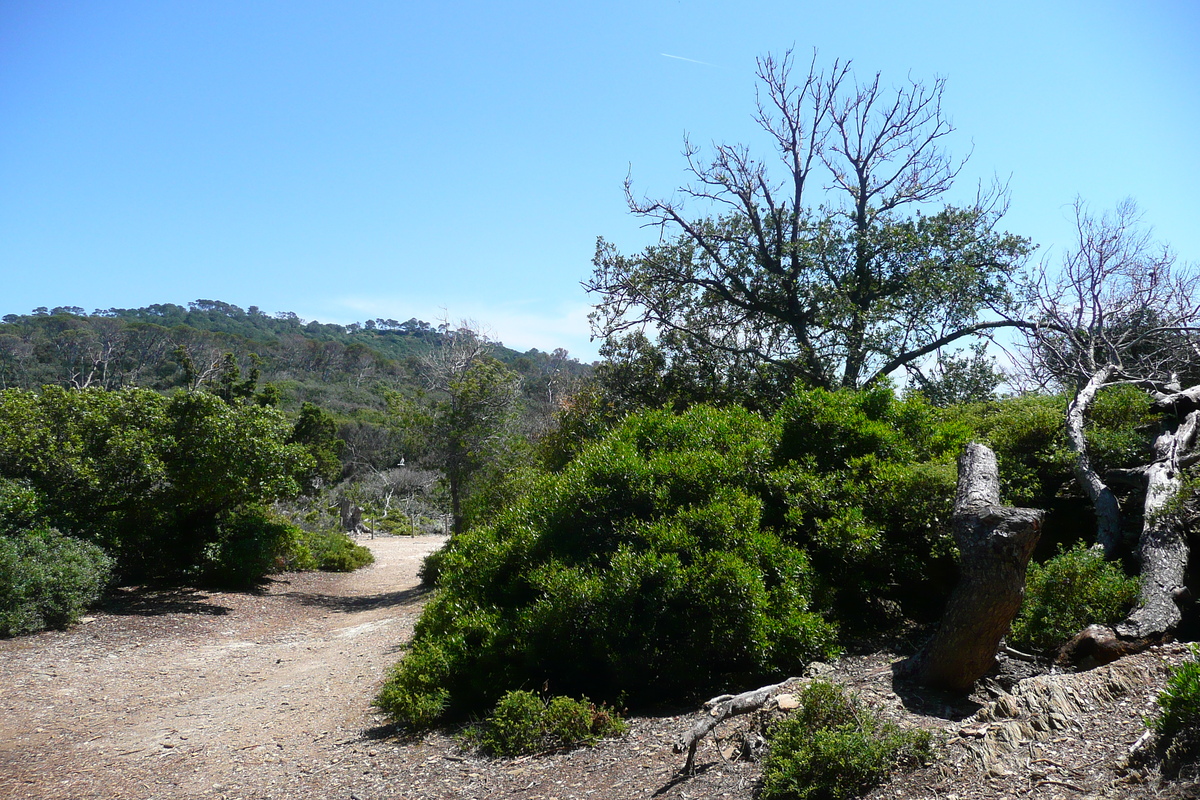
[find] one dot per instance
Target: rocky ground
(229, 695)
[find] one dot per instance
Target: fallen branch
(721, 709)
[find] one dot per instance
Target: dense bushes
(1074, 589)
(326, 550)
(868, 484)
(158, 482)
(686, 553)
(642, 570)
(832, 747)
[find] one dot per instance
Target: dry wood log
(995, 543)
(722, 708)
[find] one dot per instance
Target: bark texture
(1108, 511)
(1163, 547)
(995, 543)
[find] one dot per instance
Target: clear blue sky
(354, 160)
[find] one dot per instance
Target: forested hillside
(213, 444)
(348, 371)
(118, 347)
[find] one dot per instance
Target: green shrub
(154, 480)
(413, 692)
(334, 551)
(523, 723)
(1119, 429)
(431, 567)
(869, 482)
(644, 570)
(833, 747)
(19, 507)
(1178, 724)
(250, 544)
(1028, 436)
(1072, 590)
(47, 580)
(255, 542)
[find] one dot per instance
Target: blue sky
(354, 160)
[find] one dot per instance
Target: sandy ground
(187, 694)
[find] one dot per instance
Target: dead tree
(1162, 546)
(995, 543)
(1119, 309)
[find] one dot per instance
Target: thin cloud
(692, 60)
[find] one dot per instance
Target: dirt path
(208, 695)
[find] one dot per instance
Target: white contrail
(681, 58)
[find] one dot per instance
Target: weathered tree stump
(995, 543)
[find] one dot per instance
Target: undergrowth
(1070, 591)
(833, 747)
(524, 723)
(1178, 724)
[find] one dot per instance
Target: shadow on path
(368, 602)
(681, 776)
(159, 602)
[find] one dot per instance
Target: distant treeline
(166, 346)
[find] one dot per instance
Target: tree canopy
(836, 290)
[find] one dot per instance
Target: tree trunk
(1163, 547)
(455, 500)
(995, 543)
(1164, 554)
(1108, 512)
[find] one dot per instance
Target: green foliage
(18, 507)
(334, 551)
(869, 483)
(254, 542)
(1027, 434)
(47, 579)
(413, 691)
(523, 723)
(684, 552)
(1119, 428)
(961, 378)
(431, 567)
(832, 747)
(152, 479)
(250, 544)
(1074, 589)
(643, 569)
(316, 430)
(1178, 723)
(466, 425)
